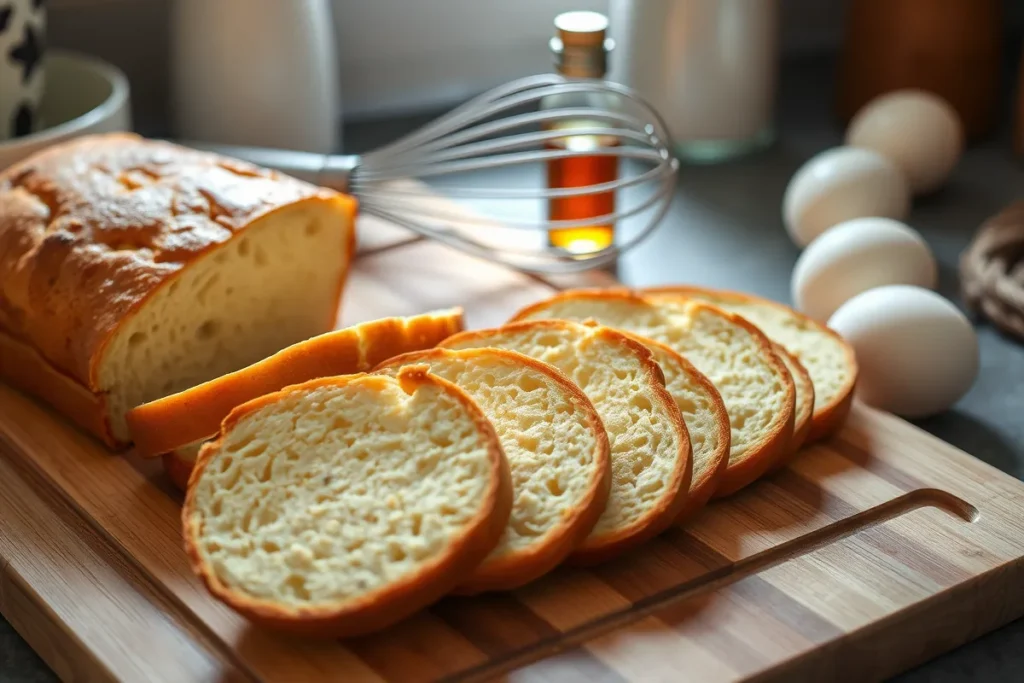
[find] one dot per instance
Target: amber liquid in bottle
(582, 171)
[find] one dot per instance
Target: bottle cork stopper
(581, 29)
(580, 44)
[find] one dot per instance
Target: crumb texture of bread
(650, 457)
(273, 286)
(556, 448)
(136, 267)
(327, 494)
(706, 418)
(827, 358)
(756, 396)
(822, 354)
(195, 414)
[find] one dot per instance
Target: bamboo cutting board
(871, 553)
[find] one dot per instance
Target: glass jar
(709, 67)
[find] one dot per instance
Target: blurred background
(399, 56)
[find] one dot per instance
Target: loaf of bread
(131, 269)
(757, 389)
(650, 448)
(339, 506)
(193, 415)
(829, 360)
(556, 448)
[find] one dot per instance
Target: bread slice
(556, 448)
(650, 448)
(707, 422)
(758, 392)
(827, 357)
(803, 409)
(195, 414)
(339, 506)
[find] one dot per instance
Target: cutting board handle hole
(947, 501)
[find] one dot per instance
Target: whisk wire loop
(492, 132)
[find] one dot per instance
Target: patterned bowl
(83, 96)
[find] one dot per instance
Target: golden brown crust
(830, 420)
(803, 417)
(827, 418)
(661, 516)
(92, 228)
(178, 469)
(517, 569)
(174, 421)
(771, 447)
(598, 293)
(391, 603)
(22, 367)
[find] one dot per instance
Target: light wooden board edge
(44, 537)
(923, 631)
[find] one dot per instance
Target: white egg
(856, 256)
(917, 353)
(839, 184)
(916, 130)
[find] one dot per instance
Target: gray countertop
(725, 229)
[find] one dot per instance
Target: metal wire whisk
(505, 127)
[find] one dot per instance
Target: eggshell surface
(917, 354)
(840, 184)
(856, 256)
(916, 130)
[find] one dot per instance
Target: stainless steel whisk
(505, 127)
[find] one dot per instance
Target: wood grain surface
(870, 553)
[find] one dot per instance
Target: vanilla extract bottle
(581, 50)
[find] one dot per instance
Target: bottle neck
(580, 61)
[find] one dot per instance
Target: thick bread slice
(339, 506)
(758, 392)
(650, 448)
(706, 418)
(195, 414)
(556, 447)
(827, 357)
(803, 411)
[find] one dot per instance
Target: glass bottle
(581, 48)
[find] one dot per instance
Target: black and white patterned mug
(22, 77)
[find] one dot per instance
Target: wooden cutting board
(871, 553)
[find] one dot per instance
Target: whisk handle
(327, 170)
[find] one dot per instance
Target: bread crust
(168, 423)
(391, 603)
(804, 414)
(178, 469)
(23, 368)
(517, 569)
(659, 517)
(92, 228)
(771, 447)
(828, 418)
